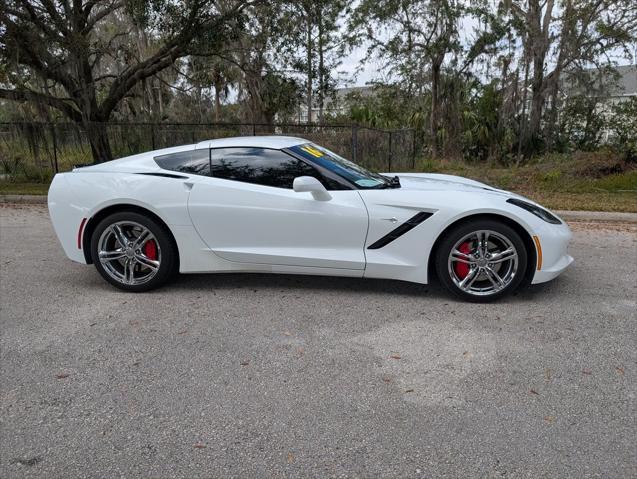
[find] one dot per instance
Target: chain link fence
(34, 151)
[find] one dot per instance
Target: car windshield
(342, 167)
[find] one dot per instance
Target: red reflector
(79, 233)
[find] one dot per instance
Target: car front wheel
(481, 260)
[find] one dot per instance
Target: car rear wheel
(133, 252)
(481, 260)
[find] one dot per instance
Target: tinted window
(192, 161)
(261, 166)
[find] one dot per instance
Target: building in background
(338, 104)
(607, 85)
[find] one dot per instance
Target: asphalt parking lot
(289, 376)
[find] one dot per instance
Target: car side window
(194, 162)
(262, 166)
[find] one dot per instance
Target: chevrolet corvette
(279, 204)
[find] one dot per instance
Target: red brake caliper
(462, 269)
(150, 250)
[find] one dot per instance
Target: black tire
(168, 259)
(446, 273)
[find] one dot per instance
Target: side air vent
(408, 225)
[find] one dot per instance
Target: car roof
(271, 141)
(144, 161)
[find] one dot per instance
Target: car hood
(433, 192)
(439, 182)
(436, 182)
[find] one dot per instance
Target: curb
(590, 216)
(24, 199)
(598, 216)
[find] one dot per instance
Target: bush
(622, 125)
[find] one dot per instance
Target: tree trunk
(551, 123)
(321, 67)
(522, 135)
(98, 138)
(309, 67)
(269, 121)
(537, 98)
(217, 99)
(567, 27)
(540, 39)
(433, 118)
(160, 98)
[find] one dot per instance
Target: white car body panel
(270, 225)
(223, 225)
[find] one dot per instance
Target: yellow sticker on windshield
(312, 151)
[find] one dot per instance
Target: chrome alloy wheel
(483, 263)
(129, 253)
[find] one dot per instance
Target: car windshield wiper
(391, 182)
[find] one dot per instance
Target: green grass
(597, 181)
(620, 202)
(10, 188)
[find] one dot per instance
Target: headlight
(536, 210)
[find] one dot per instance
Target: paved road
(273, 376)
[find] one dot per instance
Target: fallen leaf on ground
(409, 390)
(587, 371)
(183, 331)
(31, 461)
(61, 376)
(549, 419)
(619, 370)
(245, 362)
(199, 446)
(395, 356)
(533, 391)
(387, 379)
(287, 333)
(290, 458)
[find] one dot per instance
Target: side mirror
(314, 186)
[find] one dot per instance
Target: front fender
(407, 257)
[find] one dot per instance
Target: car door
(246, 211)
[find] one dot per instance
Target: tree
(413, 37)
(64, 46)
(577, 35)
(324, 46)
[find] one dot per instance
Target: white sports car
(278, 204)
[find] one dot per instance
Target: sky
(351, 64)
